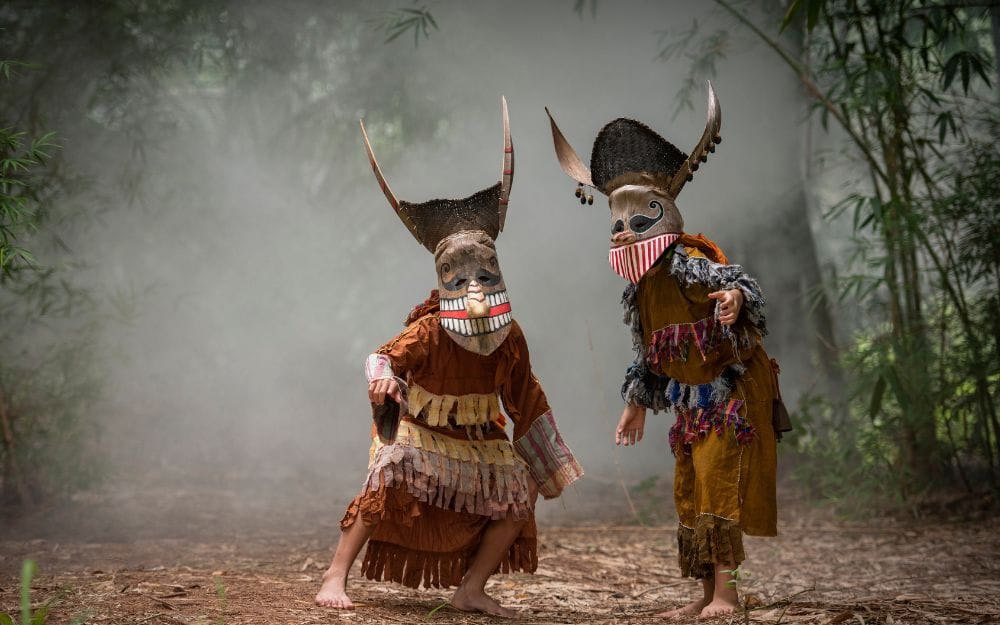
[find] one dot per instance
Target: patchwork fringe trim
(673, 342)
(496, 491)
(711, 540)
(497, 451)
(471, 409)
(550, 461)
(694, 425)
(390, 562)
(641, 387)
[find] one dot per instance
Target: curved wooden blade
(568, 159)
(709, 139)
(507, 167)
(378, 171)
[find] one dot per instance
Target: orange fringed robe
(452, 468)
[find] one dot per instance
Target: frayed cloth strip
(550, 461)
(641, 387)
(696, 270)
(673, 342)
(390, 562)
(463, 410)
(497, 491)
(692, 425)
(711, 540)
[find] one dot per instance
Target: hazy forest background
(196, 258)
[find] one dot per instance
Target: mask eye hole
(642, 223)
(486, 277)
(619, 226)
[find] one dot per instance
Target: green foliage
(397, 22)
(28, 617)
(22, 163)
(47, 382)
(908, 83)
(118, 91)
(220, 595)
(701, 54)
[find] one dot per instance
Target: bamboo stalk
(11, 470)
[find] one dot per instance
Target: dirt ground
(817, 571)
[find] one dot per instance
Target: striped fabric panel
(633, 261)
(378, 367)
(550, 461)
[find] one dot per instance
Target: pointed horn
(507, 168)
(378, 172)
(568, 159)
(709, 139)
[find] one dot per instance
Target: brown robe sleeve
(536, 438)
(408, 349)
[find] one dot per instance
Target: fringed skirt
(430, 497)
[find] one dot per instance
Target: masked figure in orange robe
(449, 499)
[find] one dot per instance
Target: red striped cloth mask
(632, 261)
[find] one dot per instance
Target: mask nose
(623, 238)
(475, 301)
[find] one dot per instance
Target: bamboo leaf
(812, 15)
(878, 393)
(793, 9)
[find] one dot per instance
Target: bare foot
(470, 600)
(333, 593)
(720, 606)
(695, 607)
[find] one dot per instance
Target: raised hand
(730, 303)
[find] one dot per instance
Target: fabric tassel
(451, 480)
(711, 540)
(386, 561)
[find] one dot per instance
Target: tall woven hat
(627, 151)
(431, 221)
